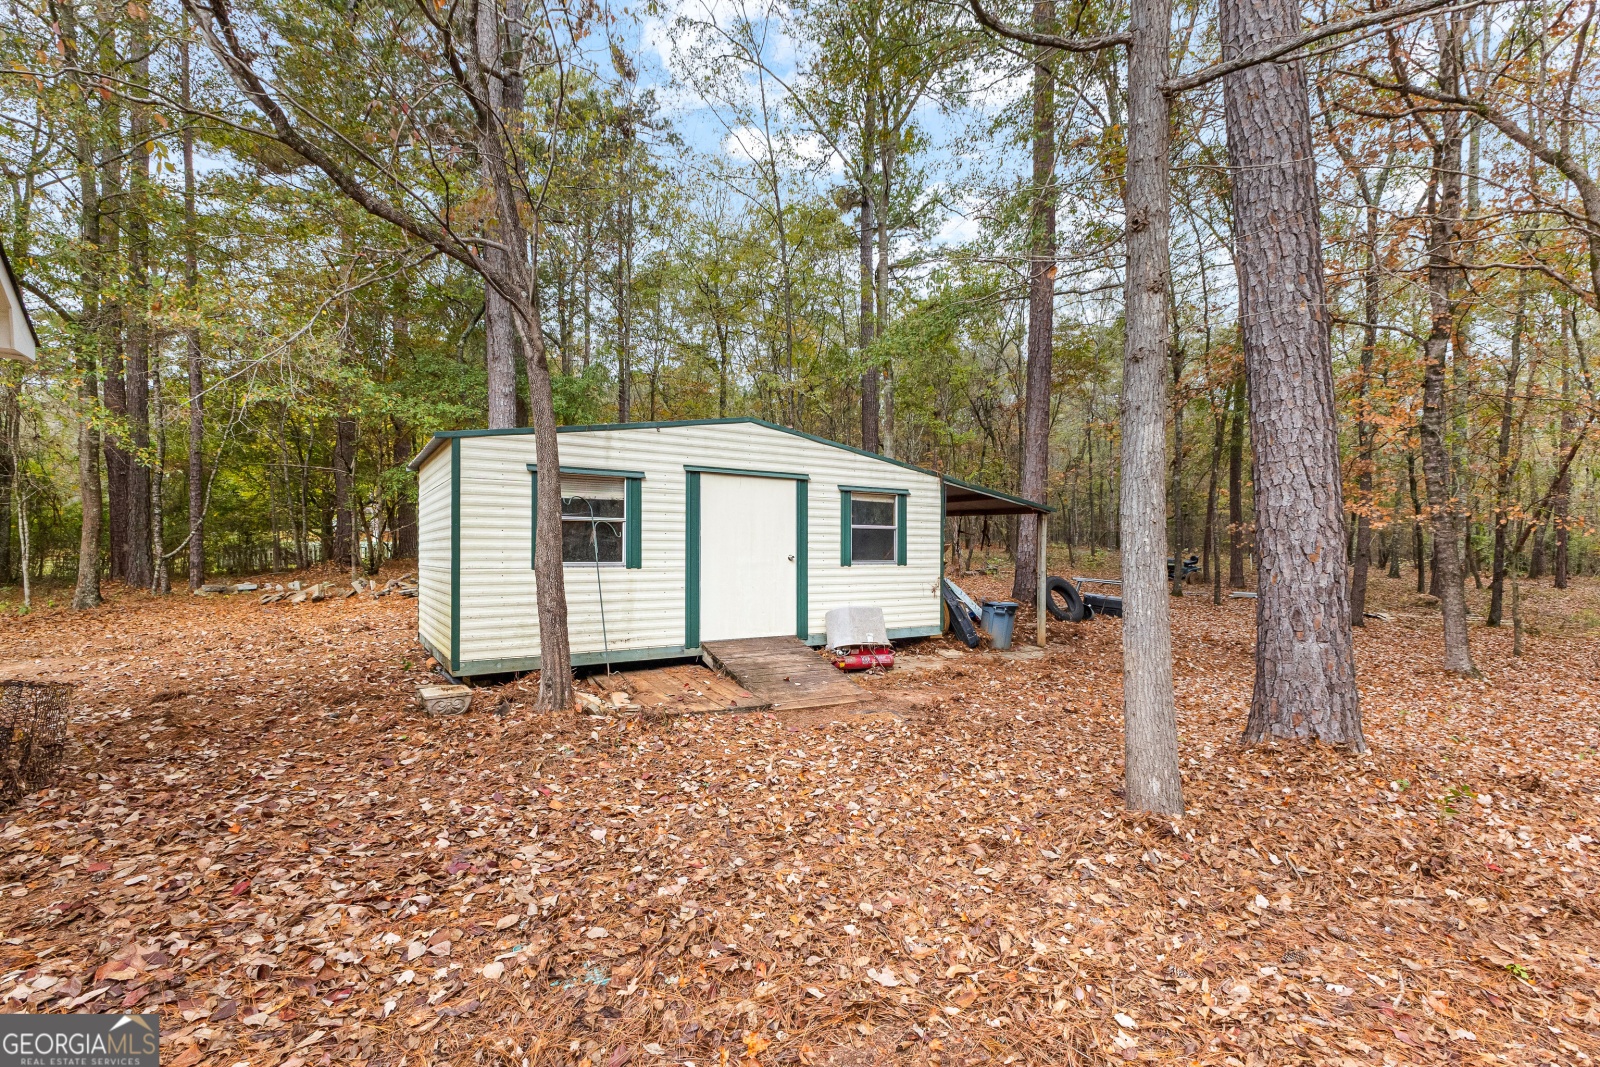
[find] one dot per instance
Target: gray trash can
(999, 619)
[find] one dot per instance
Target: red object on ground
(864, 659)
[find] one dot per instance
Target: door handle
(791, 559)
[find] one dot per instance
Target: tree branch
(1332, 29)
(1049, 40)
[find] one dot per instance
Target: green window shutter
(844, 527)
(533, 541)
(633, 544)
(900, 503)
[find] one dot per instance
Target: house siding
(645, 607)
(433, 553)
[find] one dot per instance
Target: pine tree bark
(1153, 780)
(1305, 664)
(1041, 309)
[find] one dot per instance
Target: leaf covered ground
(261, 837)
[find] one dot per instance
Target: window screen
(593, 519)
(872, 528)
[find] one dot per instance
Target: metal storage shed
(674, 533)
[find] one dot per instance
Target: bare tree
(1153, 781)
(1041, 306)
(382, 192)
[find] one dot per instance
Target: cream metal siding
(645, 608)
(433, 552)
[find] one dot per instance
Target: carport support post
(1041, 612)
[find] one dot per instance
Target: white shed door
(747, 557)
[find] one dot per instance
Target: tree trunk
(191, 277)
(405, 520)
(1560, 499)
(868, 302)
(1418, 549)
(1536, 552)
(1041, 309)
(1445, 200)
(344, 463)
(625, 300)
(1502, 471)
(1305, 663)
(90, 267)
(112, 364)
(140, 565)
(499, 334)
(1153, 780)
(1236, 532)
(1210, 569)
(1366, 433)
(1436, 456)
(886, 156)
(1179, 357)
(555, 650)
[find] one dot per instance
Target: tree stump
(34, 723)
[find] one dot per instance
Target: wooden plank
(786, 672)
(681, 690)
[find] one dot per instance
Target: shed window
(872, 528)
(594, 518)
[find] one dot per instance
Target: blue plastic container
(999, 620)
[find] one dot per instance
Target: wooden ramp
(683, 690)
(784, 672)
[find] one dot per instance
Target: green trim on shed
(517, 664)
(691, 560)
(455, 554)
(902, 503)
(739, 472)
(632, 511)
(802, 558)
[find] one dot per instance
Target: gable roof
(963, 498)
(20, 348)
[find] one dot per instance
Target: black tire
(960, 620)
(1072, 601)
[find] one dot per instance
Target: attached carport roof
(964, 498)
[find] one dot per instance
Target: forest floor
(260, 836)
